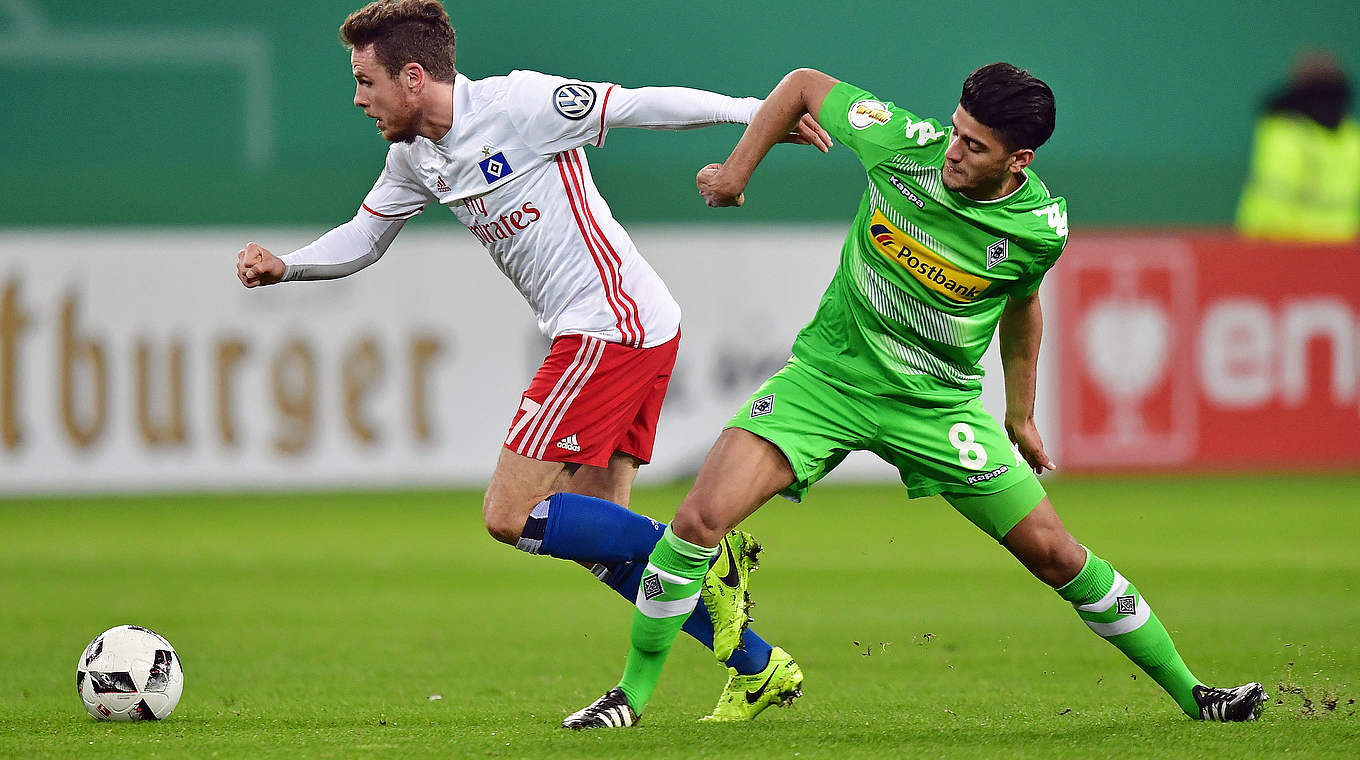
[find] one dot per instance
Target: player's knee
(1058, 561)
(503, 532)
(504, 525)
(697, 525)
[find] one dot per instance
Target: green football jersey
(925, 271)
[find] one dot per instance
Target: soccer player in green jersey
(951, 242)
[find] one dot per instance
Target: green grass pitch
(390, 625)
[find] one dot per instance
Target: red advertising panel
(1208, 352)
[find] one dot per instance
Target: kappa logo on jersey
(1057, 218)
(762, 406)
(866, 113)
(927, 266)
(574, 101)
(997, 252)
(495, 168)
(569, 443)
(442, 186)
(922, 131)
(907, 192)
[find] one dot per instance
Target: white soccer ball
(129, 673)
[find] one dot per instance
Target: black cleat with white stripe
(1230, 705)
(610, 711)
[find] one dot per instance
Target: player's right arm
(800, 92)
(395, 197)
(339, 253)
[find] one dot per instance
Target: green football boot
(725, 591)
(744, 697)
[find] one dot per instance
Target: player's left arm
(798, 94)
(688, 108)
(1020, 331)
(555, 114)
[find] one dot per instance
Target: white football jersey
(513, 170)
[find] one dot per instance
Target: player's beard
(970, 183)
(962, 180)
(953, 181)
(402, 128)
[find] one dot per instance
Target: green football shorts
(959, 451)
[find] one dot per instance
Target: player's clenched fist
(257, 266)
(715, 191)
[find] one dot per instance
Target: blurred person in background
(1304, 183)
(506, 155)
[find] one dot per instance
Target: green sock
(666, 596)
(1114, 609)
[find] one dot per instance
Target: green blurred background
(209, 113)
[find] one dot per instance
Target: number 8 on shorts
(971, 453)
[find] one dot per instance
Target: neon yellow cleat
(745, 697)
(725, 591)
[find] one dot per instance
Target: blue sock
(751, 657)
(583, 528)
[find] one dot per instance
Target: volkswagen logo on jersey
(495, 168)
(574, 101)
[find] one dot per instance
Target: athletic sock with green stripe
(1112, 607)
(666, 596)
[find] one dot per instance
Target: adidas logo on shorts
(569, 443)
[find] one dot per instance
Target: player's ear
(1020, 159)
(413, 77)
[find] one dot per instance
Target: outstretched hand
(1026, 438)
(808, 132)
(256, 266)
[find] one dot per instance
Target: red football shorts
(590, 399)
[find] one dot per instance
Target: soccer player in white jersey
(506, 155)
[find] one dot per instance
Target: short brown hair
(402, 32)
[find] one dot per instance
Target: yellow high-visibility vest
(1304, 183)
